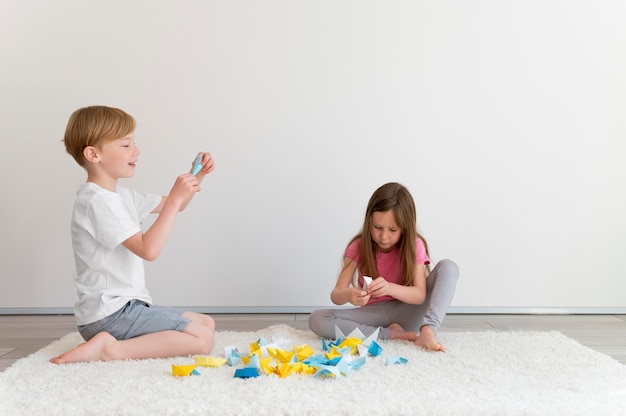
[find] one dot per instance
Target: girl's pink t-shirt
(387, 264)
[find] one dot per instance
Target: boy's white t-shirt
(108, 275)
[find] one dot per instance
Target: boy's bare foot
(397, 332)
(426, 339)
(93, 350)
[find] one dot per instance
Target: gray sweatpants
(440, 287)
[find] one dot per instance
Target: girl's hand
(379, 287)
(358, 297)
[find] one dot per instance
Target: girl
(405, 298)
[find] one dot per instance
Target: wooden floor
(21, 335)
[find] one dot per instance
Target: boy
(114, 312)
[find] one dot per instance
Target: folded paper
(339, 358)
(367, 281)
(356, 333)
(197, 165)
(232, 356)
(246, 372)
(205, 361)
(396, 360)
(374, 349)
(184, 370)
(303, 352)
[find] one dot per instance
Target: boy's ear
(91, 154)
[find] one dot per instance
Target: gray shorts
(137, 318)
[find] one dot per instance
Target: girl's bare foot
(426, 339)
(397, 332)
(96, 349)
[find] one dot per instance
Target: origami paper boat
(246, 372)
(184, 370)
(205, 361)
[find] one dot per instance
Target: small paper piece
(284, 370)
(262, 345)
(356, 333)
(280, 355)
(362, 350)
(266, 365)
(374, 349)
(302, 368)
(332, 354)
(276, 344)
(367, 281)
(229, 350)
(205, 361)
(344, 366)
(197, 165)
(233, 357)
(371, 337)
(327, 371)
(316, 360)
(184, 370)
(246, 372)
(325, 345)
(253, 362)
(396, 360)
(303, 352)
(358, 363)
(349, 345)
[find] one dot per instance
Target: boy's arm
(149, 245)
(208, 164)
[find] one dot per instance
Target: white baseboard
(308, 309)
(537, 310)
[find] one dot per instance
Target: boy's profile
(114, 311)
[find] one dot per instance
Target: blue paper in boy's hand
(197, 165)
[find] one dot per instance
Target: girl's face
(384, 231)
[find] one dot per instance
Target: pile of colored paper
(339, 357)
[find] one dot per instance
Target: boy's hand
(184, 189)
(207, 162)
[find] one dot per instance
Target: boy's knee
(206, 340)
(209, 322)
(200, 318)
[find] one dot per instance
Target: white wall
(506, 120)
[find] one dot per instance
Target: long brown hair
(396, 198)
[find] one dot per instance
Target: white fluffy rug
(483, 373)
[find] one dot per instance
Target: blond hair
(397, 199)
(93, 126)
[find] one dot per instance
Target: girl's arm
(344, 292)
(415, 294)
(148, 245)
